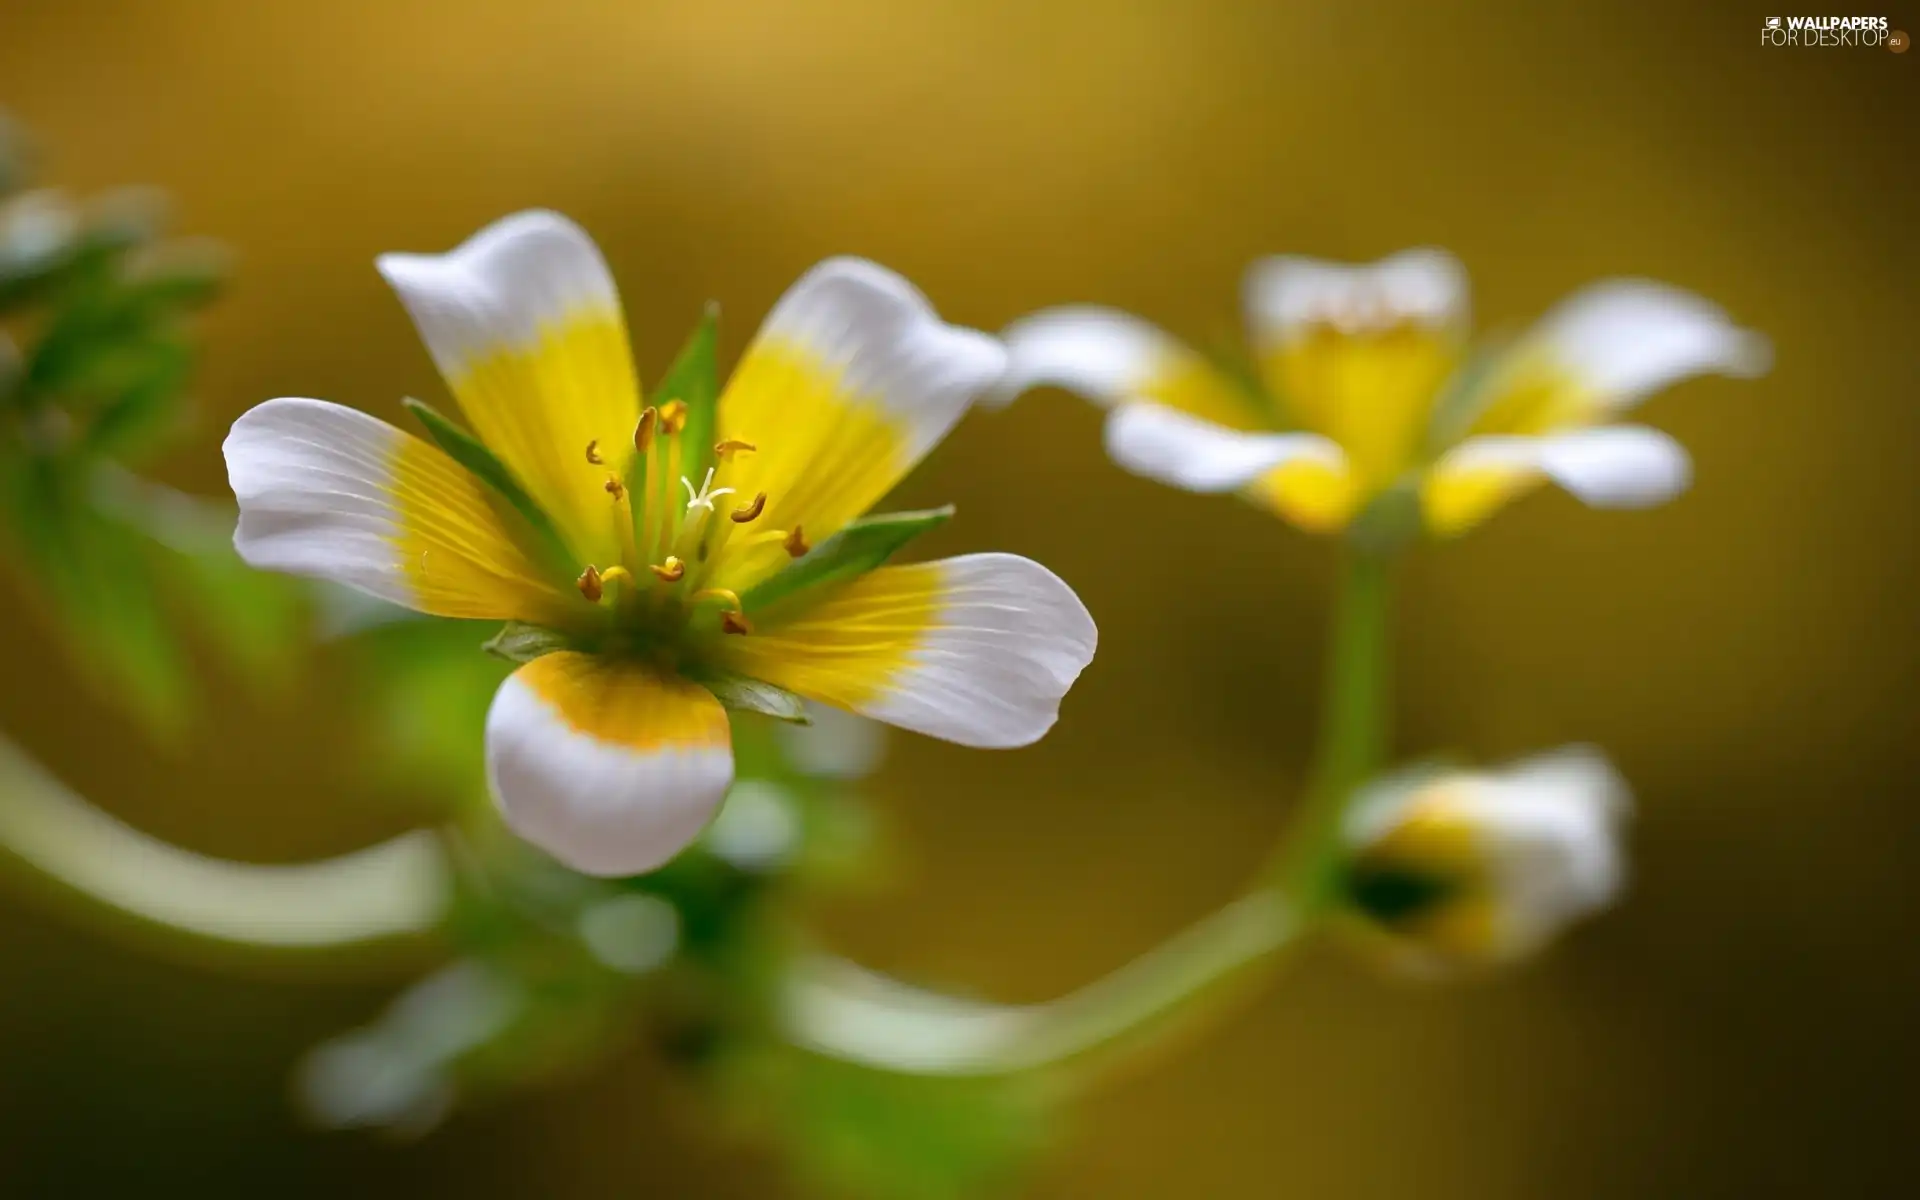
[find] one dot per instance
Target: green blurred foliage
(95, 354)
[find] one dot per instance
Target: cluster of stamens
(679, 542)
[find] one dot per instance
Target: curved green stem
(396, 889)
(844, 1011)
(841, 1010)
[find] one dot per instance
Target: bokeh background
(1744, 1026)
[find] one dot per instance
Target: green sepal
(694, 380)
(468, 451)
(855, 550)
(744, 694)
(519, 642)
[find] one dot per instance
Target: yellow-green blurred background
(1745, 1025)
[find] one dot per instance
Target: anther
(727, 447)
(747, 512)
(643, 432)
(617, 574)
(733, 622)
(673, 416)
(589, 584)
(615, 488)
(593, 452)
(796, 543)
(669, 571)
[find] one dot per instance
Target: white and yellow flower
(705, 545)
(1467, 868)
(1364, 381)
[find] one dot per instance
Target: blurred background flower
(1451, 868)
(1360, 388)
(1746, 655)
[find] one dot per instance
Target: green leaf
(519, 642)
(468, 451)
(743, 694)
(694, 379)
(855, 550)
(100, 593)
(253, 618)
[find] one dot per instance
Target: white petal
(315, 483)
(992, 668)
(609, 770)
(1626, 338)
(331, 493)
(888, 346)
(1174, 448)
(1103, 354)
(978, 650)
(501, 287)
(1615, 466)
(1551, 825)
(1285, 293)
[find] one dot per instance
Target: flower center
(678, 540)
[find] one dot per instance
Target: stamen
(643, 432)
(589, 584)
(673, 416)
(670, 571)
(747, 512)
(615, 488)
(733, 622)
(727, 447)
(593, 453)
(617, 574)
(796, 543)
(726, 596)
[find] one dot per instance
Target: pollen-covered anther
(593, 453)
(590, 585)
(670, 571)
(615, 488)
(747, 512)
(728, 447)
(644, 431)
(796, 543)
(733, 622)
(673, 416)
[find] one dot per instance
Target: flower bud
(1458, 869)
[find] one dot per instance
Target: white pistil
(706, 495)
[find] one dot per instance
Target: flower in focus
(1365, 382)
(661, 563)
(1466, 868)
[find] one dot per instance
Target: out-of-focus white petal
(1616, 466)
(609, 767)
(1184, 451)
(1623, 339)
(1105, 355)
(1111, 357)
(1287, 293)
(1466, 867)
